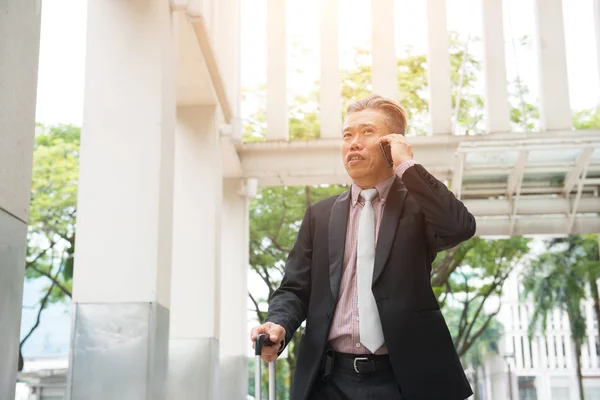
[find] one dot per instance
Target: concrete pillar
(438, 68)
(195, 294)
(227, 46)
(555, 107)
(277, 109)
(123, 259)
(596, 5)
(494, 68)
(19, 52)
(235, 249)
(331, 87)
(385, 64)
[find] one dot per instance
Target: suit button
(357, 345)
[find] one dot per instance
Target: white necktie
(371, 334)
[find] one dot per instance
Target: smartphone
(386, 149)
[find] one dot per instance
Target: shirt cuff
(403, 167)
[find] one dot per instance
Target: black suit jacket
(420, 218)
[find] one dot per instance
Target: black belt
(362, 364)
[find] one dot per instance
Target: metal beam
(331, 87)
(514, 182)
(199, 25)
(577, 197)
(555, 109)
(494, 68)
(531, 206)
(385, 63)
(573, 175)
(319, 161)
(438, 68)
(537, 226)
(277, 110)
(457, 174)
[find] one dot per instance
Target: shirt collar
(383, 189)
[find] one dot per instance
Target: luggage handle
(263, 340)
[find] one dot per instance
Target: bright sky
(62, 60)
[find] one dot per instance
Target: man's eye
(369, 130)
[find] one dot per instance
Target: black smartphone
(386, 149)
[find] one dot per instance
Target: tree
(53, 207)
(558, 280)
(467, 277)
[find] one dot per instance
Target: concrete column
(385, 64)
(331, 87)
(123, 259)
(555, 107)
(277, 110)
(235, 249)
(195, 294)
(19, 53)
(438, 68)
(494, 68)
(228, 50)
(596, 5)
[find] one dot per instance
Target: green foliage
(304, 121)
(465, 279)
(275, 216)
(558, 280)
(587, 119)
(53, 207)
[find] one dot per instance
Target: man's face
(361, 154)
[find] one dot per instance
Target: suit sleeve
(288, 305)
(448, 221)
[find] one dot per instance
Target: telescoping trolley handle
(262, 340)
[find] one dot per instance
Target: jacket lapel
(389, 225)
(338, 222)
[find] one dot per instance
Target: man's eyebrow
(359, 126)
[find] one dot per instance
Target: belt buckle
(359, 359)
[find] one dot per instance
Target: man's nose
(356, 143)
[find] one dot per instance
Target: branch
(468, 343)
(42, 306)
(283, 211)
(40, 255)
(53, 279)
(307, 193)
(480, 307)
(258, 312)
(464, 315)
(278, 246)
(449, 264)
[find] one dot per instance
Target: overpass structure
(168, 214)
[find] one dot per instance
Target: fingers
(394, 137)
(269, 353)
(276, 333)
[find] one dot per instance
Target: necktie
(371, 334)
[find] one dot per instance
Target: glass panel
(561, 393)
(527, 390)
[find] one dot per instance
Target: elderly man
(359, 274)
